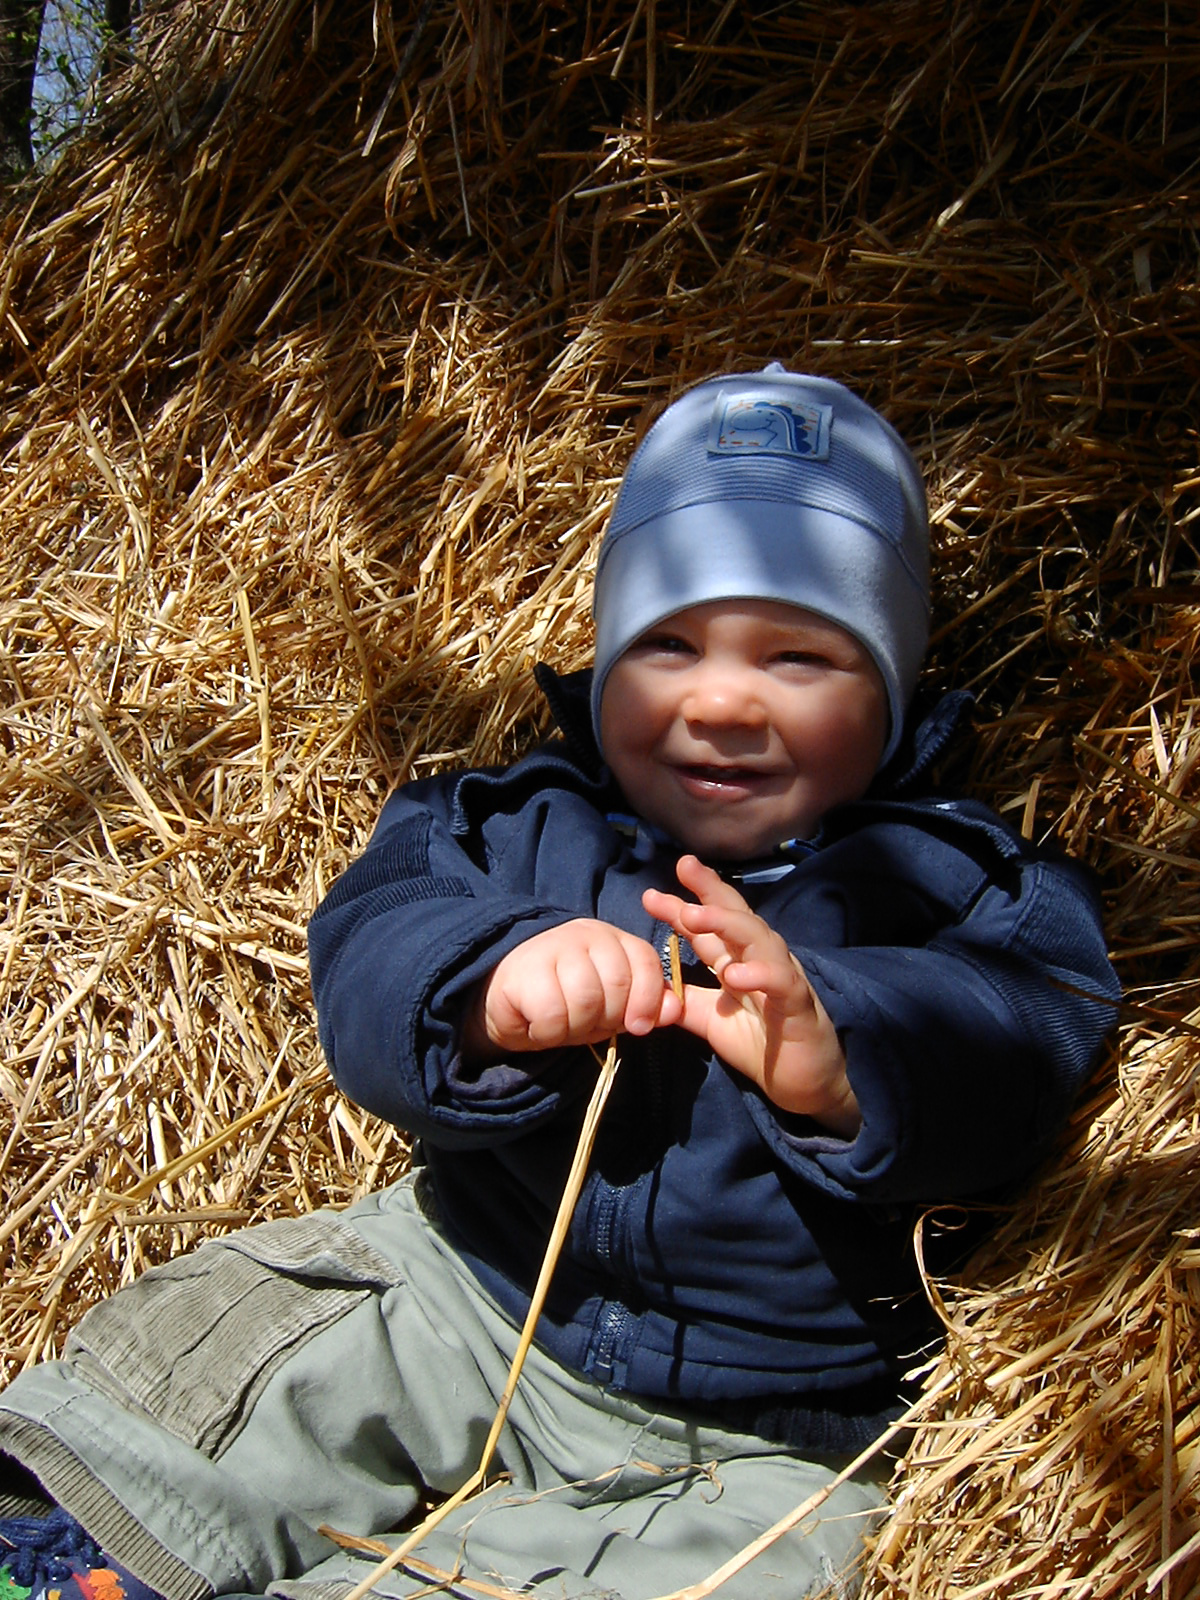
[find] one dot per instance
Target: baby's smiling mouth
(707, 778)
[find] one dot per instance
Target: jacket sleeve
(965, 1051)
(395, 950)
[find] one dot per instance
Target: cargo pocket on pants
(193, 1343)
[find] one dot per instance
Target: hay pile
(322, 355)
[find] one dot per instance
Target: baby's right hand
(576, 984)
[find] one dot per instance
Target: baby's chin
(731, 845)
(729, 821)
(737, 836)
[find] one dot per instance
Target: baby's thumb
(641, 1020)
(696, 1010)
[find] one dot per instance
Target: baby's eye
(801, 658)
(670, 643)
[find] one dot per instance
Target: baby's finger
(728, 922)
(708, 886)
(710, 889)
(666, 908)
(529, 1011)
(699, 1006)
(725, 915)
(738, 932)
(716, 934)
(595, 983)
(690, 920)
(774, 980)
(647, 991)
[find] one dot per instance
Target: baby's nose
(723, 699)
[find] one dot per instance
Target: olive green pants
(331, 1371)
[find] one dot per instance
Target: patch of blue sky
(68, 52)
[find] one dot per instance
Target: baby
(889, 1003)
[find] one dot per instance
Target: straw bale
(322, 351)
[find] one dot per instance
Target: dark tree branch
(20, 31)
(119, 16)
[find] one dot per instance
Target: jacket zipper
(656, 1098)
(612, 1330)
(616, 1317)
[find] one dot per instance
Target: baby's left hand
(764, 1020)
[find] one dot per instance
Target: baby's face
(739, 724)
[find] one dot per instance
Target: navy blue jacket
(724, 1253)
